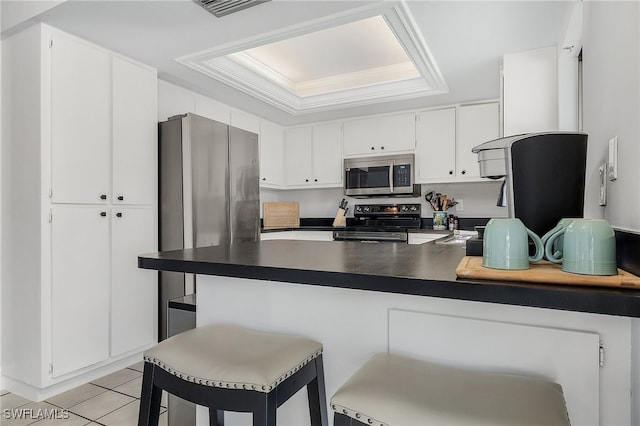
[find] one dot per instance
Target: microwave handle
(391, 176)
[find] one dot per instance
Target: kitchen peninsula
(360, 298)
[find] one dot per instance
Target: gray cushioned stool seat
(230, 356)
(400, 391)
(226, 367)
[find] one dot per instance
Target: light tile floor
(113, 400)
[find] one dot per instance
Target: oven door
(368, 177)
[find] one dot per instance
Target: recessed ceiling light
(375, 54)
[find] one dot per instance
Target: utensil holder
(439, 220)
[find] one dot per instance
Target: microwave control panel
(402, 175)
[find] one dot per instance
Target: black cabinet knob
(118, 214)
(372, 148)
(306, 180)
(315, 180)
(382, 147)
(103, 196)
(450, 172)
(103, 214)
(120, 197)
(264, 178)
(464, 172)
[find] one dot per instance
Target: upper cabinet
(530, 91)
(436, 145)
(134, 133)
(313, 156)
(445, 138)
(103, 126)
(80, 121)
(477, 124)
(380, 135)
(271, 155)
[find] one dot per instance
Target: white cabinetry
(436, 145)
(380, 135)
(271, 155)
(445, 138)
(80, 287)
(79, 202)
(80, 113)
(313, 156)
(476, 124)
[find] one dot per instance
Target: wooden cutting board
(278, 215)
(543, 272)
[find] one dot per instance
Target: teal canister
(589, 248)
(506, 245)
(558, 242)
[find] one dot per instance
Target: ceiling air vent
(221, 8)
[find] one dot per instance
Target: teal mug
(558, 242)
(506, 246)
(589, 248)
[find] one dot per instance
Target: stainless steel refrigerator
(208, 195)
(208, 192)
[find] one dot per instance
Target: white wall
(612, 107)
(611, 68)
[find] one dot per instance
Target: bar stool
(394, 390)
(229, 368)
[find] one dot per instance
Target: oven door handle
(391, 177)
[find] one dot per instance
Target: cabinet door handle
(103, 214)
(450, 172)
(464, 172)
(372, 148)
(118, 214)
(264, 178)
(382, 147)
(315, 180)
(120, 197)
(306, 180)
(103, 196)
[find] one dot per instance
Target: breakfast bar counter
(361, 298)
(422, 270)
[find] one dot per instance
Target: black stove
(380, 222)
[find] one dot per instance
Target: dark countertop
(424, 270)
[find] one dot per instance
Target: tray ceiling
(372, 54)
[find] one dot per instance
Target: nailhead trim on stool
(229, 368)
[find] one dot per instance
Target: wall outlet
(460, 206)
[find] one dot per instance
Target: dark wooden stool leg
(317, 397)
(216, 417)
(149, 398)
(265, 413)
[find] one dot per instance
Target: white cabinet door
(476, 124)
(327, 154)
(80, 121)
(135, 137)
(361, 137)
(271, 155)
(133, 290)
(380, 135)
(436, 145)
(297, 156)
(79, 287)
(397, 132)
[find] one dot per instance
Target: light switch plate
(603, 185)
(613, 158)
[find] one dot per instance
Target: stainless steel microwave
(389, 175)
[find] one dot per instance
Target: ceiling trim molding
(285, 94)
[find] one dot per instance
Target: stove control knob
(358, 209)
(367, 209)
(414, 208)
(404, 208)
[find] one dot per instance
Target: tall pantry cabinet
(79, 203)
